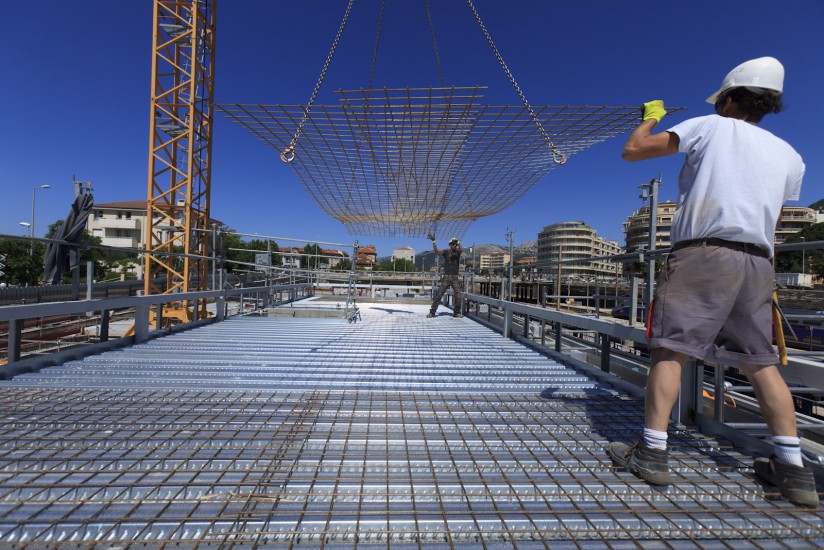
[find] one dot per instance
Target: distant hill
(819, 205)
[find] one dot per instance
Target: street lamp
(803, 255)
(27, 225)
(31, 227)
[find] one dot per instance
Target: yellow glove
(654, 109)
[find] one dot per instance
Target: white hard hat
(757, 75)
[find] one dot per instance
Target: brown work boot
(431, 315)
(651, 465)
(795, 483)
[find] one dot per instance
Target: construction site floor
(396, 431)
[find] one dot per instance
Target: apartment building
(493, 260)
(403, 253)
(577, 241)
(329, 258)
(367, 258)
(636, 228)
(794, 219)
(119, 224)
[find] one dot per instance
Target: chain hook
(288, 154)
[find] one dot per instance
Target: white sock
(655, 439)
(788, 449)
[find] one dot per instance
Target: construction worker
(715, 289)
(451, 276)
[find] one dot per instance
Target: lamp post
(27, 225)
(803, 255)
(31, 227)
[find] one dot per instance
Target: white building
(404, 253)
(577, 241)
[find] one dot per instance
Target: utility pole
(510, 235)
(650, 191)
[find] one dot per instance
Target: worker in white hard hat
(451, 275)
(714, 291)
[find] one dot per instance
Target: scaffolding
(406, 162)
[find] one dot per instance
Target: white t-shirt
(734, 181)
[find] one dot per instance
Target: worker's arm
(642, 144)
(431, 237)
(459, 248)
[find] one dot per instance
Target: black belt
(748, 248)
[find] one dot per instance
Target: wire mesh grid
(337, 467)
(409, 161)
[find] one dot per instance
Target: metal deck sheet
(397, 431)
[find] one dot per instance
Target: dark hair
(753, 104)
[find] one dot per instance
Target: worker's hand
(654, 109)
(431, 237)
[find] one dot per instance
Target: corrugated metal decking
(397, 430)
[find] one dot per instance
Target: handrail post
(104, 325)
(15, 335)
(605, 349)
(141, 322)
(220, 306)
(718, 413)
(558, 336)
(689, 398)
(507, 320)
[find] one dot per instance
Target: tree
(344, 265)
(790, 262)
(402, 265)
(312, 256)
(259, 245)
(21, 267)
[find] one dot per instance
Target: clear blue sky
(75, 94)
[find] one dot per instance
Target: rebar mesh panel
(404, 162)
(399, 431)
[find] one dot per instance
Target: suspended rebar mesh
(404, 162)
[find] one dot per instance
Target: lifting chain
(557, 155)
(434, 42)
(288, 154)
(377, 41)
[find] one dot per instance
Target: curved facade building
(577, 241)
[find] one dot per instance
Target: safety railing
(14, 317)
(603, 348)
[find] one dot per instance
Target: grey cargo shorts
(714, 297)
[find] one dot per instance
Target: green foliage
(312, 258)
(790, 262)
(21, 266)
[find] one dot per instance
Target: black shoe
(649, 464)
(430, 316)
(795, 483)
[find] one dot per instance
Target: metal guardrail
(514, 320)
(15, 316)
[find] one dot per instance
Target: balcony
(121, 242)
(118, 223)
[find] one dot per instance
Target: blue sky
(74, 99)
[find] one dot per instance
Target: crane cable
(377, 41)
(288, 154)
(557, 155)
(434, 42)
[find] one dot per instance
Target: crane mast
(180, 152)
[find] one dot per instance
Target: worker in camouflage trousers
(451, 276)
(715, 288)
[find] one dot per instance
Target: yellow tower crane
(180, 153)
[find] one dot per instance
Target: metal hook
(558, 156)
(288, 155)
